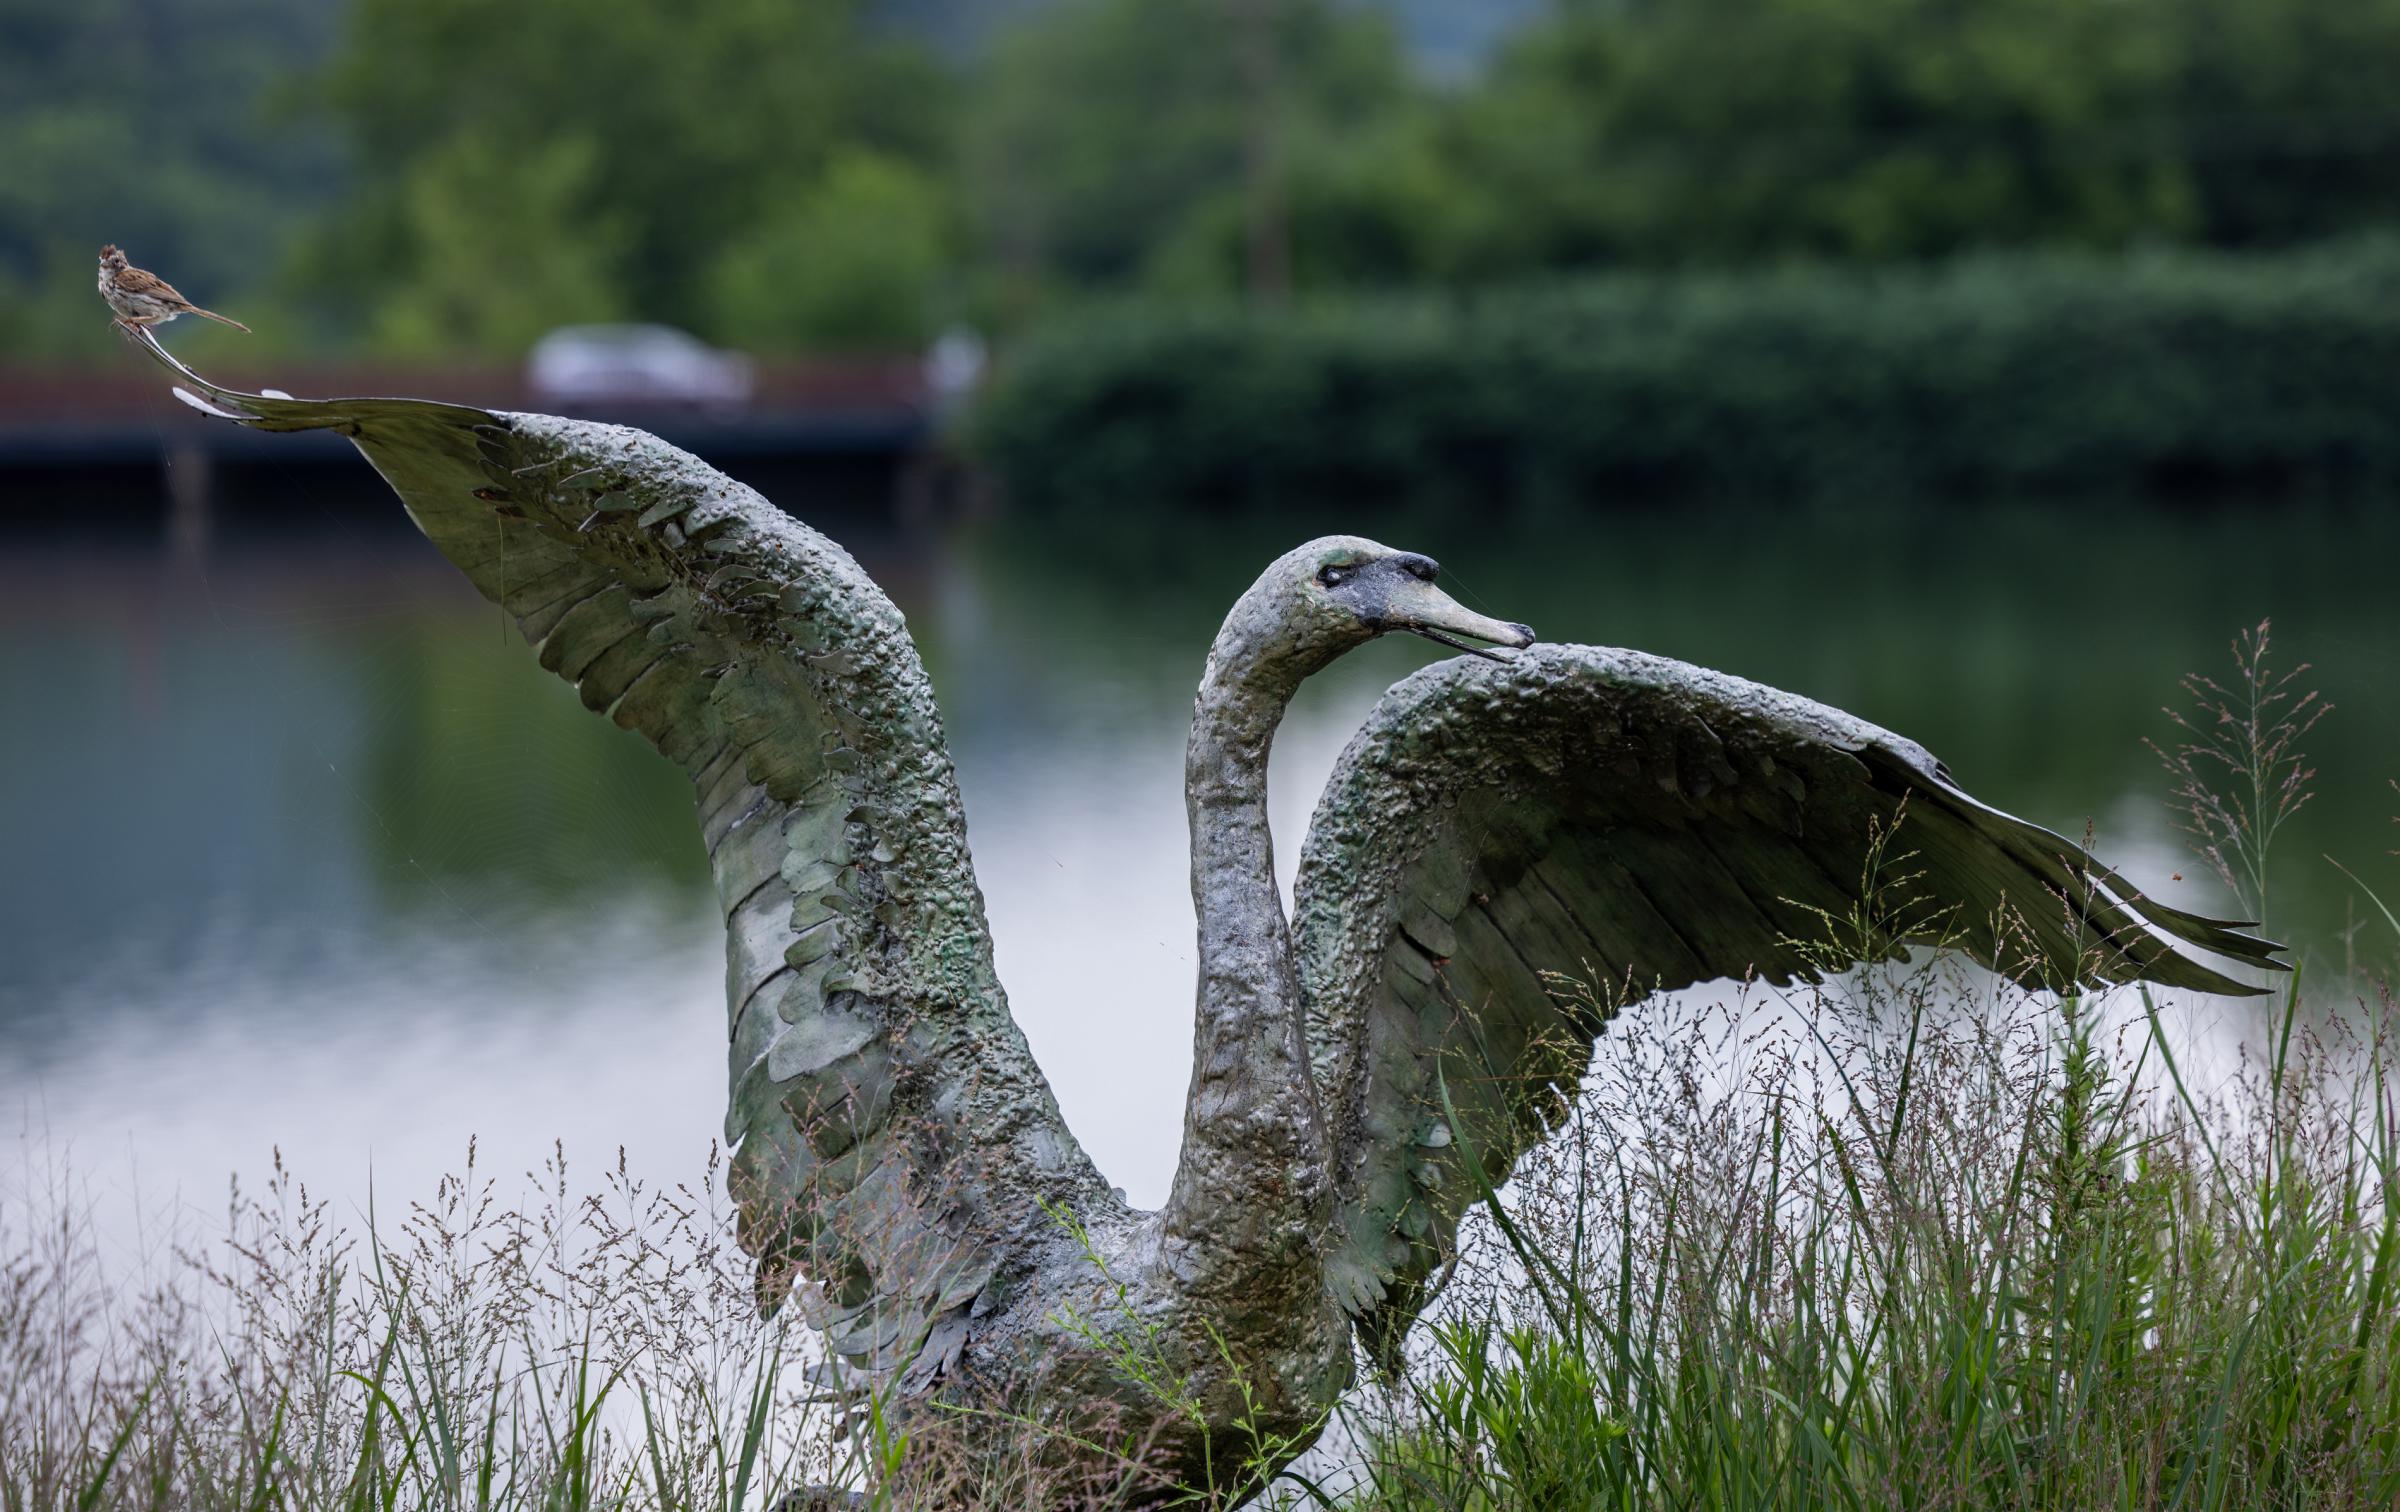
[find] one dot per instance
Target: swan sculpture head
(1335, 594)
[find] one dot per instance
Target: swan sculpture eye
(1332, 577)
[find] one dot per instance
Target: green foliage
(338, 168)
(162, 127)
(1999, 373)
(1975, 1279)
(1114, 142)
(652, 137)
(463, 212)
(1734, 130)
(858, 260)
(2284, 112)
(1514, 1408)
(1874, 128)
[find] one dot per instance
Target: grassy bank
(1983, 1262)
(2164, 371)
(1998, 1259)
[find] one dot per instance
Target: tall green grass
(1999, 1276)
(1927, 1241)
(561, 1352)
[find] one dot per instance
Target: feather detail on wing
(892, 1132)
(1653, 825)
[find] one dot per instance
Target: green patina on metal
(1647, 825)
(897, 1150)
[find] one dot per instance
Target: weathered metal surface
(1653, 825)
(898, 1151)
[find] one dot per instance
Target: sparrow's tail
(219, 319)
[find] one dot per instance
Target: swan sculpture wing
(893, 1137)
(1612, 814)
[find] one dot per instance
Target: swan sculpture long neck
(1245, 1221)
(1250, 1192)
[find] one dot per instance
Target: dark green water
(303, 849)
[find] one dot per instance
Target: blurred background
(1980, 368)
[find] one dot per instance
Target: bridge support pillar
(190, 510)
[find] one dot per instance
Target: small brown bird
(144, 299)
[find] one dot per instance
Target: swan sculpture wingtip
(1558, 806)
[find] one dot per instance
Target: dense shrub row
(2160, 370)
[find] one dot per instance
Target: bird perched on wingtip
(142, 298)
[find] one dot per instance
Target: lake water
(302, 850)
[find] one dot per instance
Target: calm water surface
(302, 850)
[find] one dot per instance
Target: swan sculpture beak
(1422, 609)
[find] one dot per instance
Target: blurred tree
(1730, 129)
(857, 260)
(165, 125)
(1376, 207)
(697, 123)
(1114, 142)
(2288, 114)
(800, 172)
(492, 248)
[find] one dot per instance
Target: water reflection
(305, 849)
